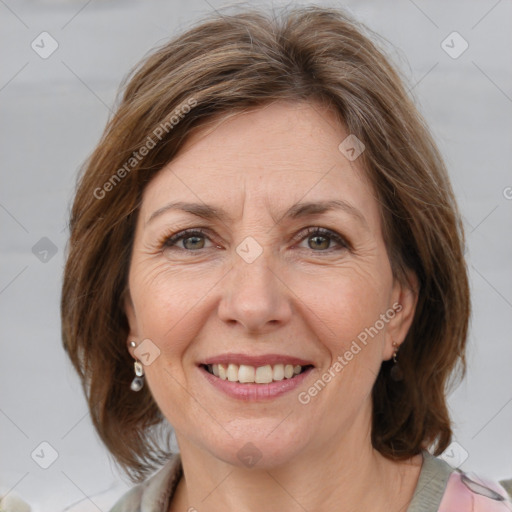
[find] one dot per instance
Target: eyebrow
(296, 211)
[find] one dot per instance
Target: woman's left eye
(320, 238)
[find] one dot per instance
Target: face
(276, 260)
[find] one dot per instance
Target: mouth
(255, 377)
(263, 374)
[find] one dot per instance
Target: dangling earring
(138, 381)
(396, 372)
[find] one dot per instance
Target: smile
(246, 374)
(255, 378)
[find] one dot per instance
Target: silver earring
(138, 381)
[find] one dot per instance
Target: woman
(266, 254)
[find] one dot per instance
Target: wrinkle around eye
(157, 273)
(341, 242)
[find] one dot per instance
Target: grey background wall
(53, 109)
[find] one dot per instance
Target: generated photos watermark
(343, 360)
(137, 156)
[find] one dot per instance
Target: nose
(254, 296)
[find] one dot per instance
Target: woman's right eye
(191, 239)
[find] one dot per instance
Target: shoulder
(441, 488)
(130, 501)
(153, 494)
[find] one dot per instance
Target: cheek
(166, 302)
(344, 313)
(167, 306)
(347, 301)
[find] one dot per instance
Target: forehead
(269, 157)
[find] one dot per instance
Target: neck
(344, 474)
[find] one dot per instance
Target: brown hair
(230, 63)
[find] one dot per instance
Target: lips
(255, 377)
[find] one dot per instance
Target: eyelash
(170, 241)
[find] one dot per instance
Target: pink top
(472, 494)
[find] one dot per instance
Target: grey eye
(195, 244)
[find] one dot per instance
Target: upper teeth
(261, 374)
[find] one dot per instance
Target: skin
(303, 296)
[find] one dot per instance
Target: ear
(404, 298)
(132, 323)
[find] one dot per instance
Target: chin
(265, 445)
